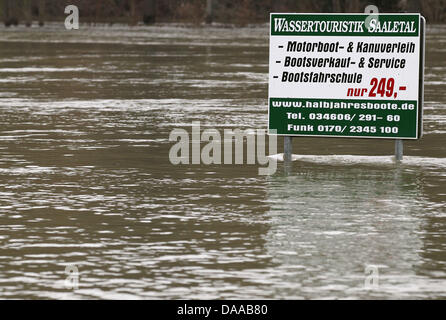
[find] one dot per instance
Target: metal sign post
(398, 150)
(287, 149)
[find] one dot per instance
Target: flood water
(85, 177)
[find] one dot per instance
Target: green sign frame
(298, 107)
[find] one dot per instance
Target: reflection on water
(85, 177)
(329, 223)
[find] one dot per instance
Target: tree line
(197, 11)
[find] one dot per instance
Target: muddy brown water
(85, 178)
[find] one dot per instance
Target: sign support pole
(399, 150)
(287, 149)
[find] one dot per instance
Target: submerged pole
(399, 150)
(287, 149)
(149, 11)
(287, 154)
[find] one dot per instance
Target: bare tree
(41, 12)
(336, 4)
(210, 6)
(149, 11)
(132, 13)
(352, 6)
(413, 5)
